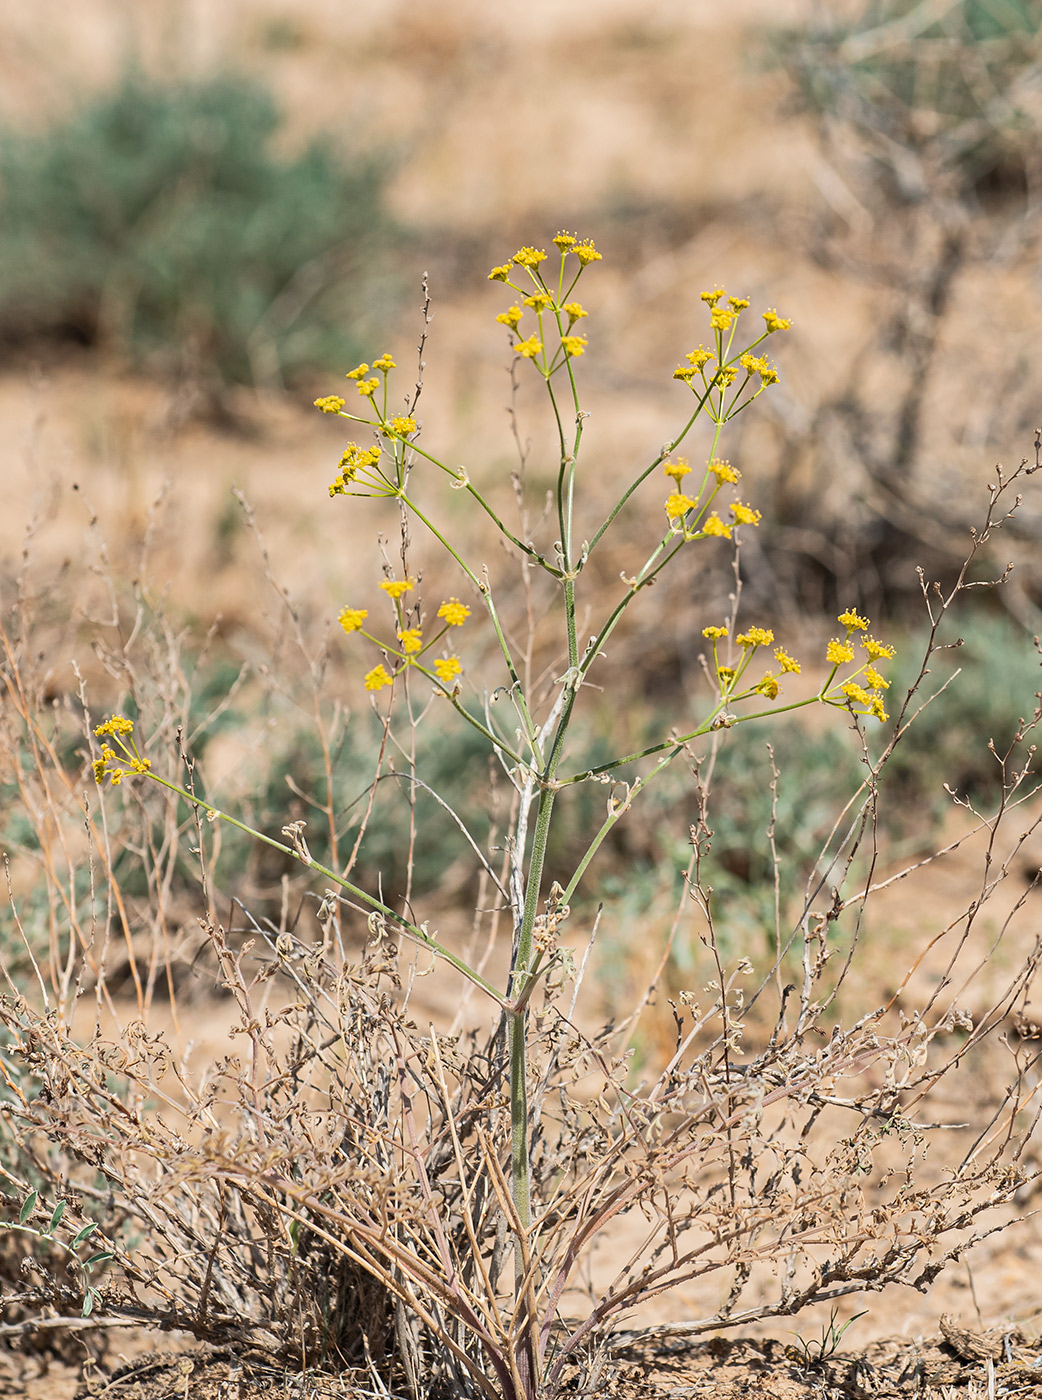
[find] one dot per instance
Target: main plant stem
(517, 1047)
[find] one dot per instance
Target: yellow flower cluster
(543, 301)
(865, 687)
(398, 427)
(728, 677)
(723, 471)
(355, 460)
(411, 643)
(724, 313)
(116, 766)
(862, 690)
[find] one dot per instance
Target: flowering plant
(702, 509)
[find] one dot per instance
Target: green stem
(649, 469)
(520, 973)
(472, 490)
(410, 930)
(678, 741)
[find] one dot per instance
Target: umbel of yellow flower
(454, 612)
(378, 677)
(838, 653)
(714, 526)
(678, 505)
(394, 588)
(755, 637)
(447, 667)
(351, 619)
(745, 515)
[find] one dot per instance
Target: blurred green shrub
(159, 223)
(995, 689)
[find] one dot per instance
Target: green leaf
(81, 1235)
(100, 1258)
(52, 1224)
(28, 1206)
(88, 1302)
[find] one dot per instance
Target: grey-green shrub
(159, 221)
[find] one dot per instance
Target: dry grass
(334, 1186)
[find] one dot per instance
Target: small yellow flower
(738, 303)
(768, 375)
(745, 515)
(574, 345)
(384, 363)
(499, 274)
(351, 619)
(768, 687)
(857, 693)
(852, 622)
(332, 403)
(753, 364)
(586, 252)
(117, 724)
(875, 680)
(700, 357)
(359, 372)
(837, 653)
(529, 348)
(354, 458)
(575, 311)
(539, 301)
(398, 427)
(726, 675)
(714, 526)
(775, 322)
(787, 662)
(720, 320)
(454, 612)
(876, 708)
(527, 257)
(714, 633)
(447, 668)
(99, 765)
(677, 470)
(368, 387)
(878, 651)
(685, 372)
(394, 588)
(755, 637)
(678, 505)
(511, 317)
(723, 471)
(411, 639)
(378, 677)
(711, 298)
(725, 376)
